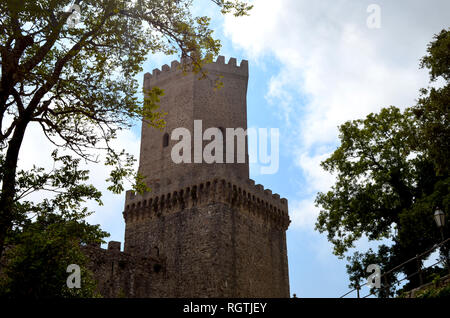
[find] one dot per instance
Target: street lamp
(439, 218)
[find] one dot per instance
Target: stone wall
(120, 274)
(443, 281)
(218, 239)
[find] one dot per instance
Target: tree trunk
(8, 190)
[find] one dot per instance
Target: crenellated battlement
(120, 273)
(177, 67)
(248, 197)
(114, 252)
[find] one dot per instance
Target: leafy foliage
(432, 109)
(47, 234)
(438, 292)
(40, 254)
(77, 81)
(437, 289)
(391, 174)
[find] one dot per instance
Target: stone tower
(215, 232)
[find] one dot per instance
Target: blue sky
(313, 66)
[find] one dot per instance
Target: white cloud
(333, 68)
(303, 214)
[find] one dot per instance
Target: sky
(313, 66)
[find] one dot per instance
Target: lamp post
(439, 218)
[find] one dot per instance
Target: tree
(78, 81)
(432, 109)
(47, 235)
(391, 173)
(36, 265)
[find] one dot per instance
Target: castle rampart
(219, 67)
(249, 197)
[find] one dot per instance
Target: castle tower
(216, 232)
(187, 99)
